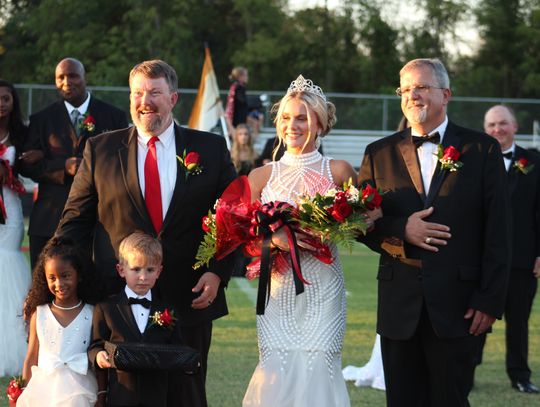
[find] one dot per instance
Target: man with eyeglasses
(443, 240)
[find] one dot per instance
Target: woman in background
(242, 153)
(14, 268)
(237, 105)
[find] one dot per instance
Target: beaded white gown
(62, 377)
(14, 281)
(301, 336)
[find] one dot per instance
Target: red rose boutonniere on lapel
(165, 319)
(522, 165)
(88, 124)
(449, 158)
(191, 163)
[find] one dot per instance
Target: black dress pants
(428, 371)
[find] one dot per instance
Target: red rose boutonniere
(522, 165)
(15, 389)
(165, 319)
(448, 158)
(191, 163)
(88, 124)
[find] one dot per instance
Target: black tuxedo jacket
(472, 269)
(525, 202)
(52, 132)
(106, 200)
(114, 321)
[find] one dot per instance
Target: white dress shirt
(427, 154)
(82, 108)
(508, 161)
(166, 159)
(140, 313)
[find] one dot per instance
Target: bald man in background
(523, 169)
(60, 131)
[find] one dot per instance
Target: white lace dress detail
(14, 280)
(301, 336)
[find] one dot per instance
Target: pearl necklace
(301, 160)
(67, 308)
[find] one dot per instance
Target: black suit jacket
(52, 132)
(472, 269)
(106, 195)
(525, 202)
(114, 321)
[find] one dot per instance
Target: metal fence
(355, 111)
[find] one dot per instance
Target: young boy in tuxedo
(128, 317)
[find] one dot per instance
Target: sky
(468, 36)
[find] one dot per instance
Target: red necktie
(152, 193)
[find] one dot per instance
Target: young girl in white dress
(301, 336)
(56, 365)
(14, 268)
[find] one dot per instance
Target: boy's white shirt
(140, 313)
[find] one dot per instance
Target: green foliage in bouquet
(338, 216)
(207, 248)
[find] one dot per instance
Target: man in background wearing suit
(133, 179)
(523, 170)
(60, 131)
(444, 243)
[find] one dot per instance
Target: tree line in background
(353, 48)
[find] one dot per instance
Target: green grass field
(233, 355)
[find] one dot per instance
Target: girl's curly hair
(89, 288)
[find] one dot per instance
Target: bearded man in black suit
(523, 170)
(132, 180)
(444, 243)
(60, 132)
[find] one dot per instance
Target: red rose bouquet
(337, 216)
(11, 180)
(15, 389)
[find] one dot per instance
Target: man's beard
(147, 126)
(417, 115)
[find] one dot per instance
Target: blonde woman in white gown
(301, 336)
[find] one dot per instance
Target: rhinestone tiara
(302, 84)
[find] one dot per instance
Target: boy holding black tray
(131, 318)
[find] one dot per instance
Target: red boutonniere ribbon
(269, 218)
(522, 165)
(449, 158)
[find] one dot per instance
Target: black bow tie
(434, 138)
(141, 301)
(508, 155)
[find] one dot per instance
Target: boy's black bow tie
(508, 155)
(434, 138)
(141, 301)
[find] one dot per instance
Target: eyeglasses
(418, 89)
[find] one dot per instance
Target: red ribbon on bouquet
(269, 218)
